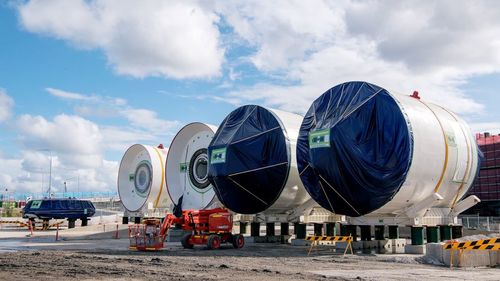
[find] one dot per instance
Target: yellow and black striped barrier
(19, 223)
(474, 245)
(330, 238)
(316, 239)
(492, 244)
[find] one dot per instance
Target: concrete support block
(415, 249)
(264, 239)
(356, 245)
(137, 220)
(398, 245)
(285, 239)
(385, 245)
(85, 222)
(434, 253)
(300, 242)
(124, 220)
(470, 258)
(370, 244)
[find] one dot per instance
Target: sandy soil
(109, 260)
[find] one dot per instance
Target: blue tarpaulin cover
(249, 160)
(354, 148)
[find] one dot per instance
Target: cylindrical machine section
(186, 167)
(362, 150)
(141, 178)
(445, 157)
(252, 161)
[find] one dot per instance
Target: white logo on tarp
(218, 156)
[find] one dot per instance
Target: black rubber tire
(238, 241)
(185, 241)
(211, 244)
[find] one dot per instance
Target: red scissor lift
(208, 227)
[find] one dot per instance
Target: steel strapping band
(162, 178)
(468, 168)
(445, 165)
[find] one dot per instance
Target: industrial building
(487, 184)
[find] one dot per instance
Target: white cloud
(78, 146)
(6, 104)
(69, 95)
(91, 105)
(430, 46)
(74, 145)
(283, 31)
(31, 174)
(65, 133)
(358, 62)
(148, 119)
(120, 138)
(431, 35)
(145, 123)
(151, 38)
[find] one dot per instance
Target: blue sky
(87, 79)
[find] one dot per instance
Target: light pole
(77, 180)
(42, 183)
(50, 175)
(50, 170)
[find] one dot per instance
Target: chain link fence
(481, 223)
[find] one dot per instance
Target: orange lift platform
(208, 227)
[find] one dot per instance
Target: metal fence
(80, 195)
(481, 223)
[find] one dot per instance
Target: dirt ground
(110, 260)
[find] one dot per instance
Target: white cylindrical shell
(366, 151)
(191, 141)
(294, 193)
(141, 178)
(445, 156)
